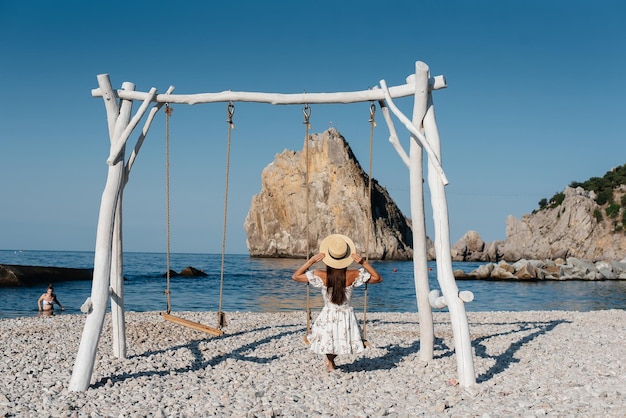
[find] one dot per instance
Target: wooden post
(420, 256)
(437, 180)
(445, 274)
(85, 358)
(118, 320)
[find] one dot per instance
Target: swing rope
(372, 122)
(230, 111)
(306, 111)
(307, 115)
(168, 114)
(167, 315)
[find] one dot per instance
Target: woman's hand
(375, 277)
(358, 258)
(300, 274)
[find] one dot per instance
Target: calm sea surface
(265, 285)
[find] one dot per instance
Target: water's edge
(265, 285)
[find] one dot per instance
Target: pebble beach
(531, 364)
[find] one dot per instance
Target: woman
(47, 300)
(336, 330)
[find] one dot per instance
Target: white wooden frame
(108, 260)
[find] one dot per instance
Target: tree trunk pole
(420, 256)
(85, 358)
(445, 274)
(118, 320)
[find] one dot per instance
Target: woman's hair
(336, 284)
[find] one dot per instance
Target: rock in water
(286, 211)
(15, 275)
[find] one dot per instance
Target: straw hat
(338, 249)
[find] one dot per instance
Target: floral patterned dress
(336, 330)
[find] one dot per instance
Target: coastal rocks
(187, 272)
(469, 248)
(331, 196)
(574, 228)
(560, 269)
(15, 275)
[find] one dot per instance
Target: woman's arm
(59, 303)
(39, 302)
(375, 277)
(300, 274)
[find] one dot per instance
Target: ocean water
(265, 285)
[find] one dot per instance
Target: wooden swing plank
(191, 324)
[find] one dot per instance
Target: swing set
(424, 138)
(221, 319)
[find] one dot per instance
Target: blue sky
(535, 100)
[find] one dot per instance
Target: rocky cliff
(576, 227)
(277, 224)
(571, 229)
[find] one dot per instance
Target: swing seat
(191, 324)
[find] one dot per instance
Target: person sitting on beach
(47, 300)
(336, 330)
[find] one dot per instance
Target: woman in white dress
(336, 330)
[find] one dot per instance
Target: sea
(250, 284)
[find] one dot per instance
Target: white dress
(336, 330)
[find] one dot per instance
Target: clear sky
(535, 100)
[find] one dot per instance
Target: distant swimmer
(47, 300)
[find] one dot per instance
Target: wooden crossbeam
(191, 324)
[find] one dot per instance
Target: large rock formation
(277, 224)
(571, 229)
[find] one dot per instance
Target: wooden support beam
(404, 90)
(191, 324)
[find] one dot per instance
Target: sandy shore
(527, 364)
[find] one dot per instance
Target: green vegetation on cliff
(608, 194)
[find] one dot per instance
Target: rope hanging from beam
(372, 122)
(306, 111)
(167, 315)
(230, 111)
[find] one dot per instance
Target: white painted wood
(420, 256)
(87, 306)
(445, 274)
(142, 136)
(393, 135)
(121, 141)
(108, 260)
(118, 118)
(466, 295)
(439, 302)
(117, 265)
(436, 300)
(117, 283)
(404, 90)
(423, 142)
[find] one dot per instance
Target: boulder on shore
(560, 269)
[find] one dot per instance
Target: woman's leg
(330, 361)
